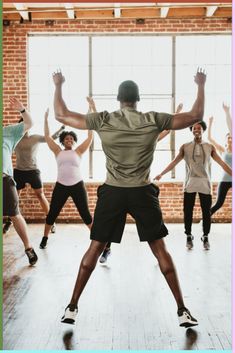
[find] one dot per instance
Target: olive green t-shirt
(128, 139)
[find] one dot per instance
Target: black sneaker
(185, 318)
(205, 241)
(53, 228)
(104, 256)
(70, 314)
(32, 256)
(189, 242)
(43, 243)
(7, 225)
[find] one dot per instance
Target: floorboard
(127, 304)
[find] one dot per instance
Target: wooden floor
(127, 304)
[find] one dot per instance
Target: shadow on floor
(191, 338)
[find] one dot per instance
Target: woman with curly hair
(69, 180)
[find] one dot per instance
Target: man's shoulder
(205, 143)
(187, 144)
(14, 128)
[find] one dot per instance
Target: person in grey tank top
(197, 155)
(26, 170)
(128, 139)
(226, 183)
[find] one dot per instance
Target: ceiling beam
(186, 12)
(141, 13)
(164, 11)
(210, 10)
(86, 14)
(117, 10)
(22, 11)
(70, 10)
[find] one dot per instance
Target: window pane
(70, 54)
(160, 161)
(146, 60)
(212, 53)
(99, 170)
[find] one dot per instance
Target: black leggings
(205, 202)
(223, 189)
(60, 195)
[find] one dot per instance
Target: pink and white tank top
(68, 163)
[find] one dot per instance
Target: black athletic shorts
(32, 177)
(114, 203)
(10, 197)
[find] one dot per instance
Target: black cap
(128, 91)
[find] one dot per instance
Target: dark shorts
(32, 177)
(10, 197)
(112, 207)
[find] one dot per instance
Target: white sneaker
(185, 318)
(70, 315)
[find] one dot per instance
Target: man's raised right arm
(228, 117)
(186, 119)
(62, 113)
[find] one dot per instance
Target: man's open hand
(200, 77)
(58, 78)
(16, 104)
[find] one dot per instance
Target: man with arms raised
(128, 140)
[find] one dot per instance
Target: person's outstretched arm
(183, 120)
(228, 117)
(217, 158)
(171, 165)
(162, 135)
(17, 105)
(49, 140)
(92, 106)
(210, 138)
(62, 113)
(86, 144)
(166, 132)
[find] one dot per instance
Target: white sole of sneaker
(186, 321)
(69, 316)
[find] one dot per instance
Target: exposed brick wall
(15, 83)
(171, 201)
(15, 43)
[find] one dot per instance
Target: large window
(212, 52)
(97, 64)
